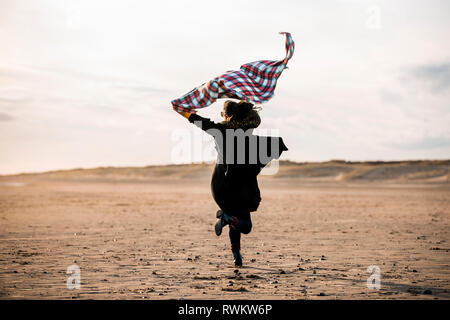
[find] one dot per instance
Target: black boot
(237, 258)
(224, 219)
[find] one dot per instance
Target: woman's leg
(241, 224)
(235, 239)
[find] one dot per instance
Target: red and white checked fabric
(254, 82)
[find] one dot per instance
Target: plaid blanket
(254, 82)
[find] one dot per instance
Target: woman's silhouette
(241, 157)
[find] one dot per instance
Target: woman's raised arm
(203, 123)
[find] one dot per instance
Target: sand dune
(401, 171)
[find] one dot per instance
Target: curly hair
(240, 115)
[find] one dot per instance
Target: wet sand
(154, 239)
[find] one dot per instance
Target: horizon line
(212, 162)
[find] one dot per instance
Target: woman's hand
(183, 113)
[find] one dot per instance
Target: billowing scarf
(254, 82)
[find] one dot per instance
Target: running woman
(234, 182)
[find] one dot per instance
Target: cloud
(436, 75)
(13, 95)
(389, 96)
(425, 143)
(6, 117)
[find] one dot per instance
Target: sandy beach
(147, 233)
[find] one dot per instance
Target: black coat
(234, 185)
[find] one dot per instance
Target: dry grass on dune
(367, 171)
(335, 170)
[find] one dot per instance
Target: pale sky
(89, 83)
